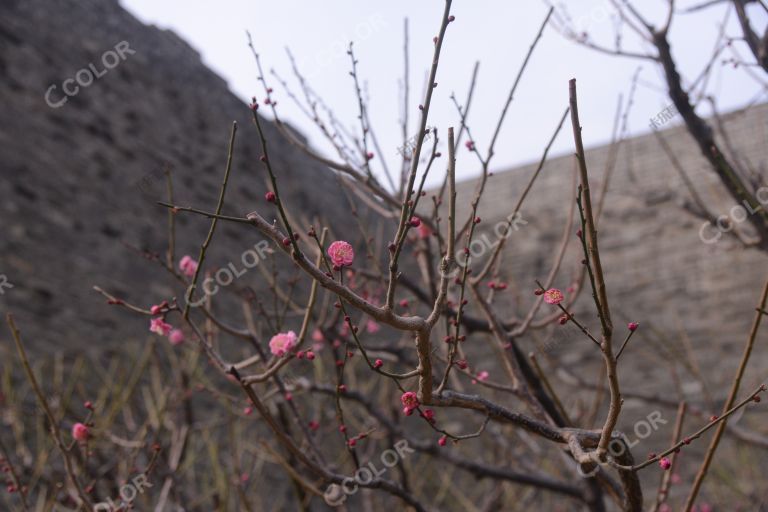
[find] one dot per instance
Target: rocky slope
(79, 177)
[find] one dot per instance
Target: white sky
(495, 32)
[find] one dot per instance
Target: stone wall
(79, 180)
(659, 272)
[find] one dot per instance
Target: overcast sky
(495, 32)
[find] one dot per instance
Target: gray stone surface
(69, 176)
(658, 270)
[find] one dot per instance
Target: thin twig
(599, 289)
(720, 420)
(219, 206)
(14, 476)
(53, 424)
(404, 224)
(666, 477)
(702, 473)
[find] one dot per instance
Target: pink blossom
(442, 441)
(378, 363)
(176, 337)
(317, 335)
(415, 222)
(410, 402)
(482, 376)
(282, 343)
(158, 326)
(310, 355)
(632, 326)
(665, 463)
(424, 231)
(341, 253)
(158, 308)
(553, 296)
(372, 327)
(80, 432)
(188, 266)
